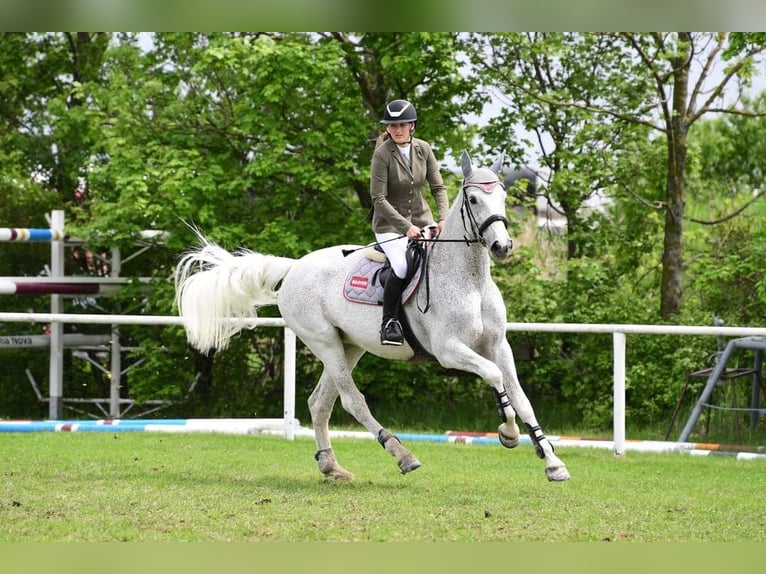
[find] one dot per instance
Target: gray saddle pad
(362, 284)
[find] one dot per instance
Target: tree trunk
(673, 250)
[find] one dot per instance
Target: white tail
(214, 286)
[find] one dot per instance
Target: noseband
(477, 229)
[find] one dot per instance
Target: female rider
(401, 164)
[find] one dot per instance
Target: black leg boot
(391, 329)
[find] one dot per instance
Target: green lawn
(207, 487)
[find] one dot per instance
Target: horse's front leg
(508, 431)
(513, 397)
(461, 357)
(500, 374)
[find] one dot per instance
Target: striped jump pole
(30, 234)
(59, 286)
(221, 426)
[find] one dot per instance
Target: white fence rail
(618, 333)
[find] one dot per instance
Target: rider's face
(401, 133)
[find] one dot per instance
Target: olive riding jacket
(397, 189)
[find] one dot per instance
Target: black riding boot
(391, 329)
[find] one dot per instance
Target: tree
(663, 82)
(547, 83)
(261, 140)
(45, 138)
(423, 67)
(725, 230)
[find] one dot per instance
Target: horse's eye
(473, 199)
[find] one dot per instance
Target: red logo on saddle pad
(358, 282)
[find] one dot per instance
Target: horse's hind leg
(353, 402)
(321, 403)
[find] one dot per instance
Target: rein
(347, 252)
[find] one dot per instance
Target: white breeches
(395, 250)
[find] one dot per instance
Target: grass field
(207, 487)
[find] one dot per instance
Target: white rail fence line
(618, 332)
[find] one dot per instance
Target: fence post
(289, 390)
(619, 393)
(115, 356)
(56, 363)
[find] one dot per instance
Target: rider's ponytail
(382, 138)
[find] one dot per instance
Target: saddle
(365, 281)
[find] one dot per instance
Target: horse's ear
(467, 166)
(498, 165)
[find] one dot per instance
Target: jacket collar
(414, 152)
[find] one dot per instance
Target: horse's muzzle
(501, 250)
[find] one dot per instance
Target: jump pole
(59, 286)
(28, 234)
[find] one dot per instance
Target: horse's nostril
(499, 250)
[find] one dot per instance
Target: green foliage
(729, 279)
(263, 140)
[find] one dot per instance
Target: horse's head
(483, 206)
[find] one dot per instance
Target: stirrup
(391, 333)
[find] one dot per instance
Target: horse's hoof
(506, 440)
(338, 475)
(557, 474)
(329, 467)
(408, 465)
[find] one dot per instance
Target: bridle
(477, 229)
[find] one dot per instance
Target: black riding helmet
(399, 112)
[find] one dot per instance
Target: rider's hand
(413, 232)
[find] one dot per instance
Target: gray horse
(464, 327)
